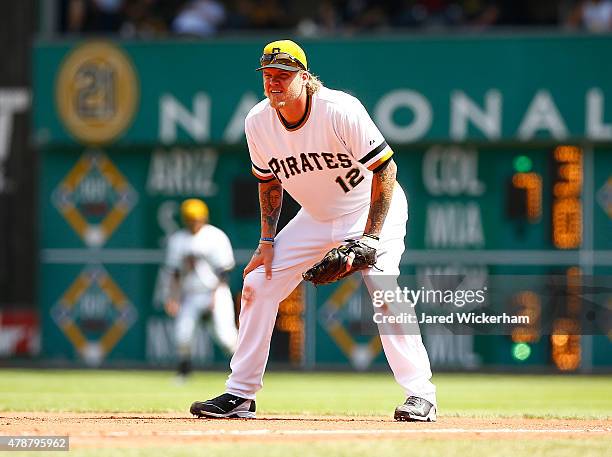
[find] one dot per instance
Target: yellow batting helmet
(285, 55)
(194, 209)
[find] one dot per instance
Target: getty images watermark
(404, 296)
(476, 303)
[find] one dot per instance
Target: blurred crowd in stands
(204, 18)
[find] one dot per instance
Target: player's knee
(253, 280)
(253, 284)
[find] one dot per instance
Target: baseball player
(320, 146)
(199, 258)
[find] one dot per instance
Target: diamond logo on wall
(337, 316)
(94, 314)
(94, 198)
(604, 197)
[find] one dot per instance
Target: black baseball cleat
(224, 406)
(415, 409)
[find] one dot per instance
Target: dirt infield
(109, 430)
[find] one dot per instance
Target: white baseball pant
(222, 324)
(297, 247)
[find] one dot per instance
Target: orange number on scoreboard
(567, 201)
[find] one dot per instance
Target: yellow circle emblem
(96, 92)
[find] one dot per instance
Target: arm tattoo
(382, 191)
(270, 202)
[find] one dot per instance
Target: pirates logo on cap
(96, 92)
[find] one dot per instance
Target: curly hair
(313, 84)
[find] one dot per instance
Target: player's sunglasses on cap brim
(280, 60)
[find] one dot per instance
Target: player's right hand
(172, 307)
(263, 256)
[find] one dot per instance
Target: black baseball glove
(334, 265)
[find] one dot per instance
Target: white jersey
(597, 16)
(325, 161)
(198, 257)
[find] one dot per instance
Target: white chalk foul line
(263, 432)
(440, 430)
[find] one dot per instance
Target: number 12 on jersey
(353, 178)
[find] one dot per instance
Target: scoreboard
(509, 180)
(488, 213)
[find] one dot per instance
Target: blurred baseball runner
(321, 146)
(199, 258)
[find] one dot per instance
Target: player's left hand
(343, 261)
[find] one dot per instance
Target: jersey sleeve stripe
(373, 153)
(263, 171)
(381, 167)
(262, 176)
(263, 181)
(378, 164)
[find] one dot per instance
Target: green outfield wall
(483, 130)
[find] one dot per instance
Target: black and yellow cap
(284, 55)
(194, 209)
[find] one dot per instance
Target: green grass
(553, 396)
(324, 393)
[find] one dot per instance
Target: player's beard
(276, 102)
(279, 101)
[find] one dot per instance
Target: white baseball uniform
(198, 257)
(326, 163)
